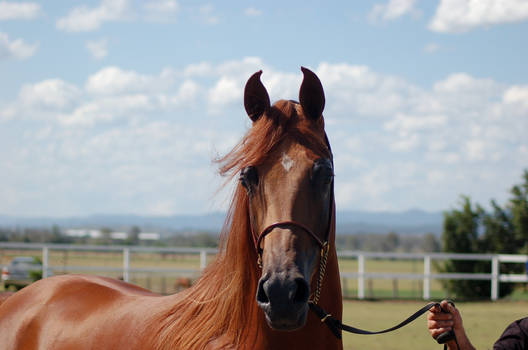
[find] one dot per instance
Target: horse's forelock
(282, 120)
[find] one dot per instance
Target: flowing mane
(221, 304)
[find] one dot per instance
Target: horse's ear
(256, 98)
(311, 95)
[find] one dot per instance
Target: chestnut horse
(277, 245)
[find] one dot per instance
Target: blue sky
(120, 106)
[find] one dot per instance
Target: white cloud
(114, 80)
(475, 149)
(84, 18)
(187, 93)
(225, 91)
(241, 68)
(86, 115)
(7, 112)
(392, 10)
(97, 48)
(252, 12)
(410, 123)
(517, 95)
(405, 144)
(17, 48)
(457, 83)
(161, 10)
(18, 10)
(108, 109)
(363, 90)
(454, 16)
(53, 93)
(198, 69)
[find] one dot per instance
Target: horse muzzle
(284, 300)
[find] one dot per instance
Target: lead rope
(337, 326)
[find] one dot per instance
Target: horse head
(290, 197)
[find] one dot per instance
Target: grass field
(484, 322)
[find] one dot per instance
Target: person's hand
(439, 322)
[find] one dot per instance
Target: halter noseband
(271, 227)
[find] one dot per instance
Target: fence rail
(495, 277)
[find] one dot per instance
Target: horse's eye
(323, 172)
(249, 177)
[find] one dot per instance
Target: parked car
(22, 271)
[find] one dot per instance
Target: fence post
(395, 288)
(495, 278)
(45, 261)
(361, 276)
(427, 278)
(203, 259)
(126, 264)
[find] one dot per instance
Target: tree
(502, 230)
(430, 243)
(499, 237)
(133, 236)
(391, 242)
(519, 211)
(499, 233)
(460, 235)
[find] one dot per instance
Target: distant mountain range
(406, 222)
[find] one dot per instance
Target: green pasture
(484, 322)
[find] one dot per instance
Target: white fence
(495, 277)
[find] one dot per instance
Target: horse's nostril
(277, 291)
(302, 291)
(262, 296)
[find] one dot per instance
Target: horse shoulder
(73, 311)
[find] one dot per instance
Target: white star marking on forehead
(287, 162)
